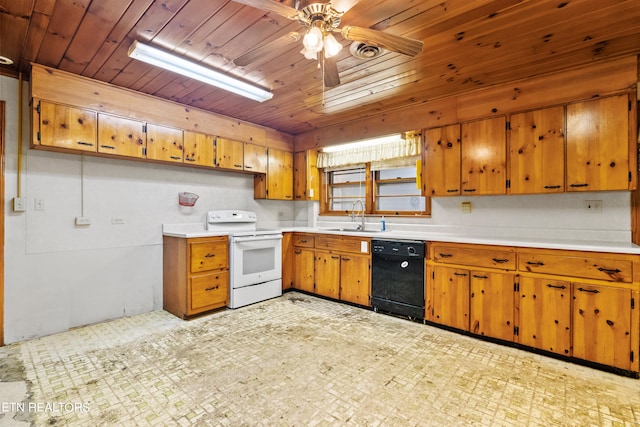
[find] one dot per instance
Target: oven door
(255, 259)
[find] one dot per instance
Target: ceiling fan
(322, 19)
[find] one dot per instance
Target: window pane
(352, 192)
(401, 204)
(351, 175)
(391, 188)
(408, 172)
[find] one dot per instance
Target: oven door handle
(257, 238)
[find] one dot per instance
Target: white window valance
(409, 147)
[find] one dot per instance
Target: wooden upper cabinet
(280, 175)
(120, 135)
(306, 178)
(66, 127)
(255, 158)
(198, 149)
(164, 143)
(598, 144)
(484, 156)
(441, 169)
(537, 151)
(229, 154)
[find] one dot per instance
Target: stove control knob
(411, 250)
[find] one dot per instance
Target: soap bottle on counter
(383, 224)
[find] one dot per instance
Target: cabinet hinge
(630, 105)
(433, 275)
(38, 135)
(633, 303)
(144, 151)
(508, 183)
(630, 177)
(516, 330)
(38, 108)
(144, 128)
(508, 125)
(631, 356)
(516, 287)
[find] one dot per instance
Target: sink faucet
(353, 213)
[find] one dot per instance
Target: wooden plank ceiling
(468, 44)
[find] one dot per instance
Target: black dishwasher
(397, 277)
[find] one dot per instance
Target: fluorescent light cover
(171, 62)
(362, 143)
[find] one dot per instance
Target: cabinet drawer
(589, 267)
(337, 243)
(209, 290)
(209, 255)
(303, 240)
(478, 257)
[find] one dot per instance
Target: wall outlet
(83, 220)
(466, 207)
(19, 204)
(117, 220)
(38, 204)
(593, 206)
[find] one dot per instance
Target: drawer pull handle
(593, 291)
(460, 274)
(335, 257)
(303, 241)
(209, 255)
(535, 263)
(552, 187)
(237, 166)
(211, 288)
(469, 190)
(175, 157)
(609, 271)
(88, 144)
(189, 159)
(248, 167)
(110, 147)
(297, 252)
(480, 277)
(452, 190)
(549, 285)
(499, 260)
(445, 255)
(344, 258)
(579, 185)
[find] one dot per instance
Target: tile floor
(297, 361)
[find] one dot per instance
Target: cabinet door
(598, 144)
(355, 279)
(164, 143)
(492, 305)
(255, 158)
(484, 156)
(451, 297)
(303, 270)
(208, 255)
(198, 149)
(208, 291)
(602, 325)
(537, 151)
(441, 170)
(67, 127)
(328, 274)
(545, 314)
(122, 136)
(280, 175)
(229, 154)
(287, 261)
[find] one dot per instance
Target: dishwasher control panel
(404, 248)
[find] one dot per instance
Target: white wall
(59, 275)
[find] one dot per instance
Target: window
(384, 188)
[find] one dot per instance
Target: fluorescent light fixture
(176, 64)
(363, 143)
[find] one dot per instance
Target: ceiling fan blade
(331, 76)
(272, 6)
(387, 41)
(343, 5)
(266, 49)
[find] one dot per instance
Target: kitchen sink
(351, 230)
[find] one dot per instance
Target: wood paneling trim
(2, 109)
(66, 88)
(599, 79)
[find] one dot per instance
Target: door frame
(2, 150)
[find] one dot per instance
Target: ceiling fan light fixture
(193, 70)
(331, 46)
(313, 40)
(309, 54)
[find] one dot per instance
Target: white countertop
(188, 231)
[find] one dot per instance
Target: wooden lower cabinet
(450, 297)
(602, 325)
(545, 314)
(355, 279)
(303, 270)
(328, 278)
(195, 274)
(492, 304)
